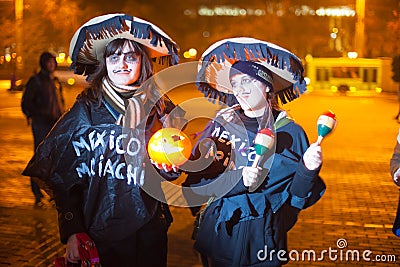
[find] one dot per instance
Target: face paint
(249, 92)
(123, 67)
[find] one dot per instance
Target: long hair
(272, 98)
(94, 93)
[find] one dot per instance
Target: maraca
(325, 125)
(263, 142)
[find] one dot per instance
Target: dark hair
(44, 57)
(94, 93)
(273, 101)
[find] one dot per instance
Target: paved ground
(355, 214)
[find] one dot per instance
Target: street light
(16, 55)
(359, 38)
(191, 53)
(7, 57)
(19, 14)
(352, 54)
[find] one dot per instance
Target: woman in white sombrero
(94, 160)
(252, 206)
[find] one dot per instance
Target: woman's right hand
(165, 167)
(396, 177)
(72, 251)
(251, 176)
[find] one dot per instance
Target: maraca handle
(256, 160)
(319, 140)
(255, 165)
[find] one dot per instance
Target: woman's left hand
(72, 251)
(165, 167)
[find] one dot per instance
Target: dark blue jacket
(238, 225)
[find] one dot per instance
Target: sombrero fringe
(145, 31)
(253, 51)
(214, 95)
(116, 25)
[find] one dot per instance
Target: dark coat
(237, 226)
(43, 100)
(95, 169)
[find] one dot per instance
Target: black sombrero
(89, 41)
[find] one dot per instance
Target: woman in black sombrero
(94, 160)
(252, 206)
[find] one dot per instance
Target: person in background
(252, 206)
(43, 104)
(95, 161)
(395, 173)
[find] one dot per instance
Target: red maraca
(325, 125)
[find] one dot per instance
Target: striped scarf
(127, 100)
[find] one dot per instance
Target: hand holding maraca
(312, 158)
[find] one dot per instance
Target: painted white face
(123, 68)
(249, 92)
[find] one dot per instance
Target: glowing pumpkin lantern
(170, 146)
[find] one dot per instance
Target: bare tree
(47, 26)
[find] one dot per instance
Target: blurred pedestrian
(13, 82)
(95, 161)
(43, 104)
(252, 206)
(395, 172)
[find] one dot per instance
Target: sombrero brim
(89, 41)
(217, 60)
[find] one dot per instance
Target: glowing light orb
(170, 146)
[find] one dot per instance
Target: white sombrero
(215, 64)
(89, 41)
